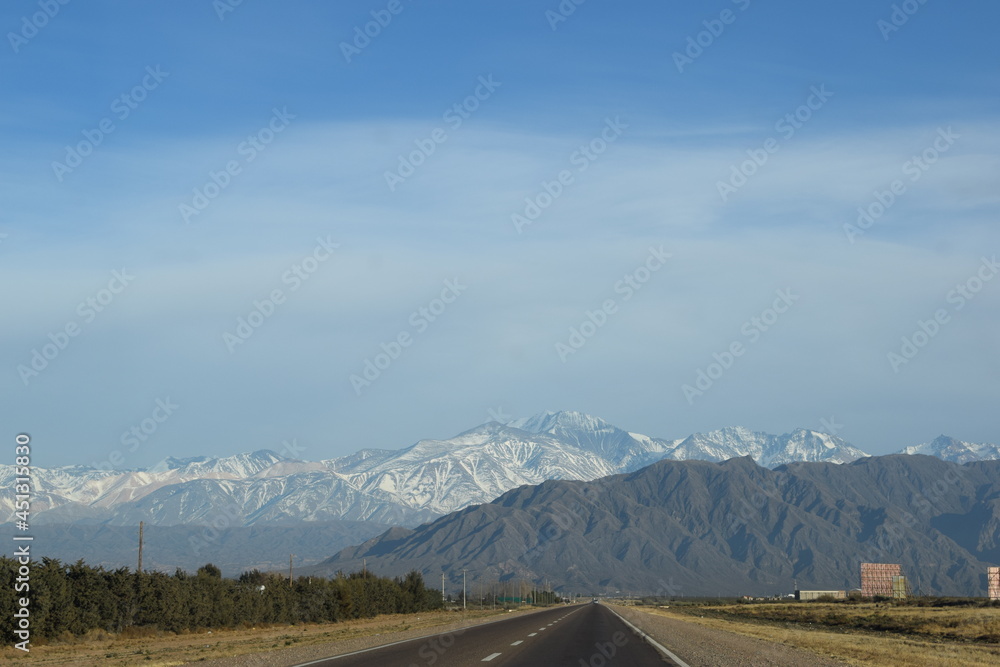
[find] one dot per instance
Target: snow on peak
(957, 451)
(236, 466)
(429, 477)
(563, 420)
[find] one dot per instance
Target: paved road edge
(652, 642)
(413, 639)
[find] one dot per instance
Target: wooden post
(139, 568)
(290, 569)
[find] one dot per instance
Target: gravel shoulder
(700, 646)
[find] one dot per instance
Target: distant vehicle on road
(594, 601)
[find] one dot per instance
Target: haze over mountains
(950, 449)
(213, 505)
(413, 485)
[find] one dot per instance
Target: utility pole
(364, 568)
(463, 590)
(139, 568)
(290, 569)
(442, 589)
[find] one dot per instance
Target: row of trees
(503, 596)
(77, 598)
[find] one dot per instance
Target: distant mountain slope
(700, 528)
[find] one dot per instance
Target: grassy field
(158, 649)
(950, 623)
(864, 633)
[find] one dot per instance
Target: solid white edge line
(655, 644)
(403, 641)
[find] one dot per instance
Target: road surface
(588, 635)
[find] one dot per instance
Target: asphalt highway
(588, 635)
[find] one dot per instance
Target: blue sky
(689, 208)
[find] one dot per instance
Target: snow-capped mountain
(407, 486)
(767, 450)
(257, 487)
(473, 467)
(626, 451)
(958, 451)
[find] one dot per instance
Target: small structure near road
(993, 582)
(814, 595)
(883, 580)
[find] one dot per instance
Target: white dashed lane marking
(519, 641)
(489, 657)
(532, 634)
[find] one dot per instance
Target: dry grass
(975, 624)
(864, 634)
(159, 649)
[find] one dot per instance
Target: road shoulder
(701, 646)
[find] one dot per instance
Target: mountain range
(703, 528)
(410, 486)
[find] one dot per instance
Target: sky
(316, 227)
